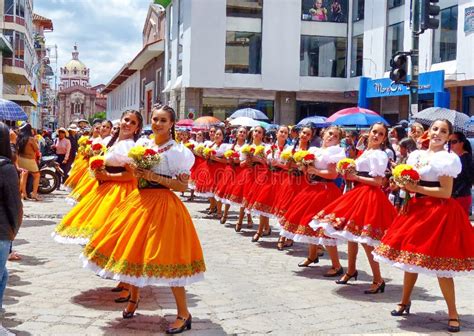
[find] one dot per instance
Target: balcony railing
(14, 19)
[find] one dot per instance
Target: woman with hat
(62, 146)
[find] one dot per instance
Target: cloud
(108, 32)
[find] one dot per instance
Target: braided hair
(136, 135)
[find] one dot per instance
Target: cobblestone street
(250, 288)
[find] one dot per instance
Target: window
(179, 62)
(20, 8)
(358, 10)
(395, 3)
(394, 42)
(324, 10)
(445, 38)
(323, 56)
(243, 52)
(245, 8)
(357, 55)
(9, 7)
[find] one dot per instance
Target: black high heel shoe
(255, 237)
(402, 308)
(380, 288)
(452, 328)
(337, 272)
(349, 276)
(308, 262)
(129, 314)
(186, 325)
(238, 227)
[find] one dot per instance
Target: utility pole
(414, 52)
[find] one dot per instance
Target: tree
(98, 115)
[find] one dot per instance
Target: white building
(295, 58)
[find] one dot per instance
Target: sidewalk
(250, 288)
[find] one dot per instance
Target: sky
(108, 33)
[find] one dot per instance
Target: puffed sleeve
(119, 156)
(413, 157)
(378, 161)
(180, 160)
(143, 142)
(222, 148)
(332, 154)
(446, 164)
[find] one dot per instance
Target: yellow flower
(397, 171)
(245, 149)
(228, 153)
(287, 154)
(259, 150)
(345, 166)
(199, 148)
(299, 155)
(83, 140)
(136, 153)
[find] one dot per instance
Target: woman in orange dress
(115, 183)
(150, 237)
(79, 166)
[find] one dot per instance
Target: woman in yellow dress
(150, 237)
(87, 183)
(79, 166)
(115, 183)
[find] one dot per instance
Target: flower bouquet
(259, 151)
(199, 149)
(144, 158)
(189, 145)
(286, 155)
(208, 152)
(344, 167)
(304, 157)
(96, 163)
(248, 150)
(404, 174)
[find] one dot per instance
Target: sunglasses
(453, 142)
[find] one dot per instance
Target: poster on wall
(469, 20)
(324, 10)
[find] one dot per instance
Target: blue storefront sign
(429, 83)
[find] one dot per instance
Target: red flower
(252, 150)
(269, 151)
(236, 155)
(309, 157)
(97, 164)
(412, 174)
(97, 147)
(149, 152)
(89, 142)
(345, 165)
(274, 147)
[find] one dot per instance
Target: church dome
(78, 65)
(75, 63)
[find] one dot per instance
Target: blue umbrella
(359, 119)
(249, 113)
(11, 111)
(315, 121)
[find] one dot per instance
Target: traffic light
(428, 11)
(399, 64)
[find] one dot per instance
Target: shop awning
(148, 52)
(178, 84)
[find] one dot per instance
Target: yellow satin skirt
(90, 214)
(148, 239)
(85, 185)
(79, 169)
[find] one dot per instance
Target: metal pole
(415, 29)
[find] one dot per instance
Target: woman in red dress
(320, 191)
(232, 170)
(210, 170)
(198, 160)
(363, 214)
(264, 196)
(434, 236)
(291, 184)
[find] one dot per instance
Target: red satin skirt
(264, 198)
(434, 237)
(288, 189)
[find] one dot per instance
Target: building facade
(296, 58)
(77, 99)
(140, 83)
(18, 78)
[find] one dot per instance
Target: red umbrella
(348, 111)
(206, 121)
(185, 122)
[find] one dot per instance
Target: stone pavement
(250, 288)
